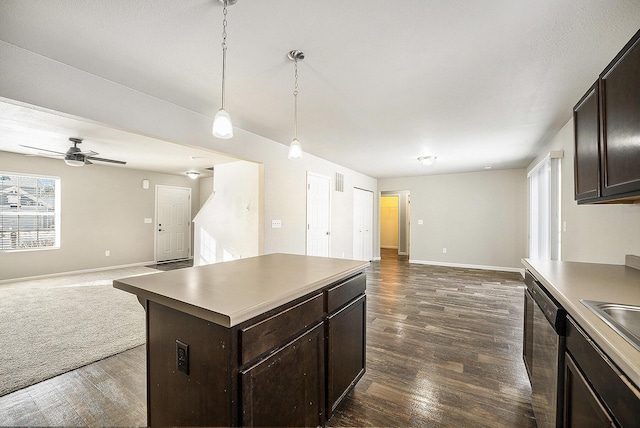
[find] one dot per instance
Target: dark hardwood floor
(444, 350)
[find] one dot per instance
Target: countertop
(229, 293)
(569, 282)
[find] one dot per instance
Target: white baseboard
(377, 259)
(74, 272)
(467, 266)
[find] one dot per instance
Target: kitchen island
(264, 341)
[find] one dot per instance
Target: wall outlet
(276, 224)
(182, 357)
(107, 253)
(444, 250)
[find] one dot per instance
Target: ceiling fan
(76, 157)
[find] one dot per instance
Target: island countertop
(570, 282)
(232, 292)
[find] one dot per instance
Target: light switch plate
(148, 220)
(276, 224)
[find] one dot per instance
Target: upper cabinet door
(586, 123)
(620, 104)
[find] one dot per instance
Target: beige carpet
(45, 332)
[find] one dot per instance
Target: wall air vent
(339, 182)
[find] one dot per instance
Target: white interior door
(362, 224)
(173, 214)
(318, 214)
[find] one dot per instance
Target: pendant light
(295, 149)
(222, 126)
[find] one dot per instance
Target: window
(29, 212)
(544, 208)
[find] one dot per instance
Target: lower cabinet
(582, 408)
(346, 357)
(597, 393)
(286, 388)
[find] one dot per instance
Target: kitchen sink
(624, 319)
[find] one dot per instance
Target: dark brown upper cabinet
(620, 93)
(586, 126)
(607, 133)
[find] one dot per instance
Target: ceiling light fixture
(222, 126)
(427, 160)
(193, 174)
(295, 149)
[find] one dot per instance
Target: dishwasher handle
(555, 314)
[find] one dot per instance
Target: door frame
(155, 222)
(406, 219)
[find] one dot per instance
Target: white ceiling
(474, 82)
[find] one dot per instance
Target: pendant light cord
(224, 48)
(295, 99)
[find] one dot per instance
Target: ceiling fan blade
(88, 153)
(106, 160)
(45, 155)
(39, 148)
(87, 162)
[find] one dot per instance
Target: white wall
(39, 81)
(229, 225)
(602, 233)
(103, 208)
(479, 217)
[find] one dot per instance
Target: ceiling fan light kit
(295, 148)
(222, 125)
(427, 160)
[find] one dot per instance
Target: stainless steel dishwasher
(545, 355)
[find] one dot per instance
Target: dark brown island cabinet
(275, 340)
(607, 133)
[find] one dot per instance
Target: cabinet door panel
(620, 95)
(582, 409)
(287, 388)
(586, 121)
(346, 358)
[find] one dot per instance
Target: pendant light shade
(295, 148)
(222, 126)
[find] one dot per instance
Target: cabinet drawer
(613, 388)
(343, 293)
(271, 332)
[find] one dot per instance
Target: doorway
(173, 223)
(395, 223)
(389, 225)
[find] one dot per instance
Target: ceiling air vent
(339, 182)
